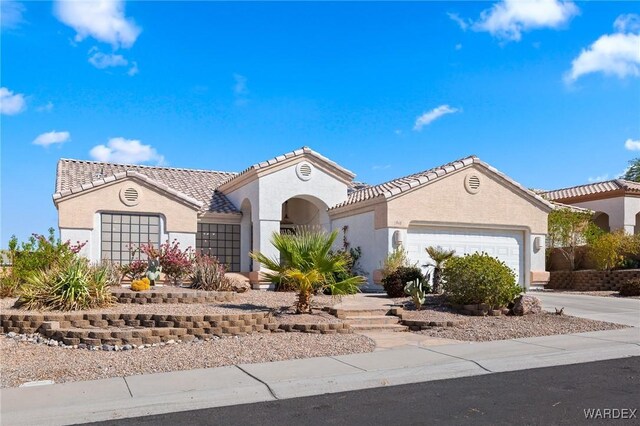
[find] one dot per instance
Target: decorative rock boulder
(526, 305)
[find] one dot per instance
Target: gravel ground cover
(23, 362)
(482, 329)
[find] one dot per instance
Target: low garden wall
(143, 297)
(591, 280)
(137, 329)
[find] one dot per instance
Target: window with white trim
(221, 241)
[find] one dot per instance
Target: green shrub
(606, 250)
(479, 278)
(630, 288)
(208, 273)
(74, 286)
(396, 259)
(38, 253)
(395, 282)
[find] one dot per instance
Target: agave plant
(439, 257)
(308, 265)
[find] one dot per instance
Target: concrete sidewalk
(134, 396)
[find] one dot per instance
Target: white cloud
(632, 145)
(629, 23)
(430, 116)
(463, 24)
(121, 150)
(458, 46)
(134, 69)
(11, 14)
(102, 60)
(600, 178)
(612, 54)
(48, 107)
(381, 167)
(104, 20)
(10, 103)
(52, 138)
(508, 19)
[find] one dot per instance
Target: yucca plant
(308, 265)
(73, 286)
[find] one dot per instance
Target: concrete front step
(350, 313)
(378, 327)
(372, 319)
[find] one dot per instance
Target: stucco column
(262, 232)
(629, 229)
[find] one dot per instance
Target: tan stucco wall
(78, 211)
(447, 201)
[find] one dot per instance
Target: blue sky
(546, 91)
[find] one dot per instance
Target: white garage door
(505, 245)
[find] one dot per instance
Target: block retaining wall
(144, 297)
(137, 329)
(591, 280)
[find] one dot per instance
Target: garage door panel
(506, 245)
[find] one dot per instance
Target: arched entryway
(303, 210)
(601, 219)
(637, 227)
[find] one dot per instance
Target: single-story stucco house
(465, 205)
(615, 203)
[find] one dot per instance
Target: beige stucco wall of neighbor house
(77, 212)
(446, 200)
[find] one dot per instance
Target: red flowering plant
(176, 263)
(135, 269)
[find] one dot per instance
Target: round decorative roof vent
(472, 184)
(304, 170)
(129, 196)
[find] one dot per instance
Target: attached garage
(506, 245)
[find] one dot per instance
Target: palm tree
(439, 257)
(308, 264)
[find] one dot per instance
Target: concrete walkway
(610, 309)
(134, 396)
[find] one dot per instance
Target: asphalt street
(549, 396)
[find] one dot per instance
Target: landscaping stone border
(96, 329)
(417, 325)
(144, 297)
(591, 280)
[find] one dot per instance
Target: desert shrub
(38, 253)
(208, 274)
(74, 286)
(395, 282)
(135, 269)
(395, 260)
(606, 250)
(630, 288)
(175, 263)
(112, 270)
(141, 285)
(479, 278)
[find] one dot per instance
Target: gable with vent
(473, 195)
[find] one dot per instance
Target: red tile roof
(593, 189)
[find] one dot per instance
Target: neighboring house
(465, 205)
(616, 203)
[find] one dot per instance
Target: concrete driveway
(610, 309)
